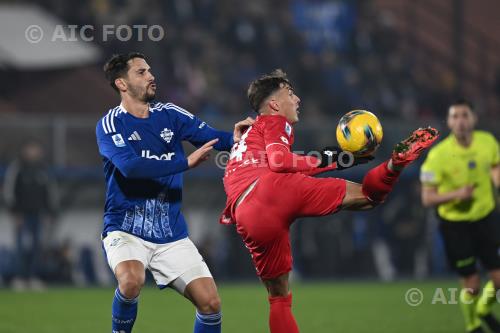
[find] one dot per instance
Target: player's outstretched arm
(196, 131)
(333, 158)
(204, 133)
(201, 154)
(281, 159)
(113, 147)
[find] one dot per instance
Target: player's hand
(201, 154)
(240, 127)
(465, 193)
(343, 159)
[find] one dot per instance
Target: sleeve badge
(288, 129)
(118, 140)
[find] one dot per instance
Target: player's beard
(149, 96)
(146, 95)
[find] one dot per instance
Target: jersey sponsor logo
(118, 140)
(164, 157)
(285, 140)
(288, 129)
(167, 135)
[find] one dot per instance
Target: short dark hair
(117, 66)
(263, 87)
(463, 101)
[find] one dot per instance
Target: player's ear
(474, 119)
(448, 118)
(274, 105)
(120, 84)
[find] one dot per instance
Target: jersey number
(240, 147)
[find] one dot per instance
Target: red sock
(281, 319)
(378, 182)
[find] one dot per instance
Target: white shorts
(175, 264)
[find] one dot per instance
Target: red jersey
(249, 158)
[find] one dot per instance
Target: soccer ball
(359, 132)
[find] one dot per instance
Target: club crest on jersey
(167, 135)
(288, 129)
(118, 140)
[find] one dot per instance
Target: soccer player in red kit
(268, 187)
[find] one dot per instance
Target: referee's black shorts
(466, 242)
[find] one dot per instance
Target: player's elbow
(276, 167)
(277, 161)
(280, 167)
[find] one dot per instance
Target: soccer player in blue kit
(140, 144)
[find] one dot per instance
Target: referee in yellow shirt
(461, 176)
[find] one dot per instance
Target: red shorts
(264, 217)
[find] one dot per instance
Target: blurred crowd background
(403, 60)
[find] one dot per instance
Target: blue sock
(208, 323)
(124, 312)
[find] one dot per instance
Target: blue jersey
(143, 165)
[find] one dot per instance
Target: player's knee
(278, 292)
(130, 284)
(355, 198)
(211, 305)
(277, 287)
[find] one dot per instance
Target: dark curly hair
(265, 86)
(117, 66)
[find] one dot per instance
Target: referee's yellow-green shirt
(450, 166)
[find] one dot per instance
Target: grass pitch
(358, 307)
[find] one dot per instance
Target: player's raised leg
(379, 181)
(202, 292)
(131, 276)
